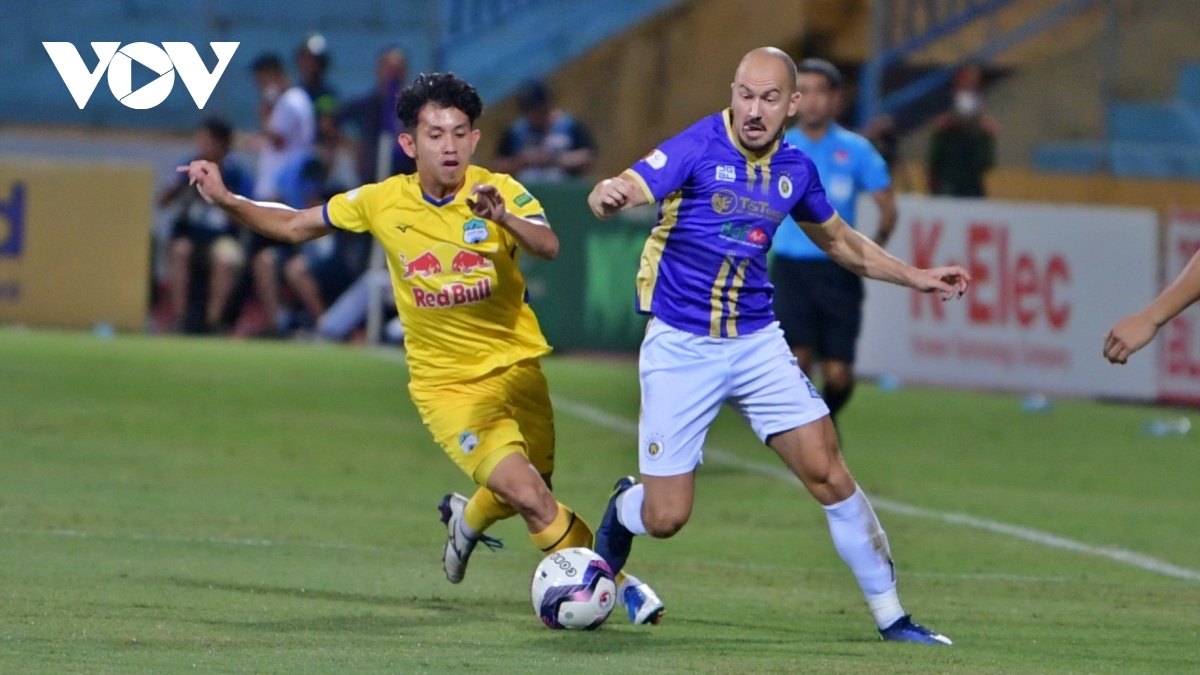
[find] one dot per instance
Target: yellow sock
(485, 509)
(566, 531)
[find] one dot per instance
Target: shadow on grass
(413, 611)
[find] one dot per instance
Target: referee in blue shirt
(818, 302)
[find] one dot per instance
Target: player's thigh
(769, 391)
(473, 424)
(529, 395)
(793, 303)
(683, 383)
(227, 252)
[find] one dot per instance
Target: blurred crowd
(310, 144)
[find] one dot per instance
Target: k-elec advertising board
(1048, 282)
(1179, 365)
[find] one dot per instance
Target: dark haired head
(444, 90)
(533, 95)
(219, 129)
(822, 67)
(267, 63)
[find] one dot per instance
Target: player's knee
(663, 523)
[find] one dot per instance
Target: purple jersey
(704, 268)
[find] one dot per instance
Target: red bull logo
(453, 295)
(466, 262)
(425, 265)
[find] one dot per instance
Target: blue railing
(465, 19)
(901, 27)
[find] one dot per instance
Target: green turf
(200, 506)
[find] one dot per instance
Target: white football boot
(459, 546)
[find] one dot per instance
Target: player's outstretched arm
(535, 238)
(615, 194)
(275, 221)
(864, 257)
(1137, 330)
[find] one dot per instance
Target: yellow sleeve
(352, 210)
(519, 201)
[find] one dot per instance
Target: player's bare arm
(535, 238)
(275, 221)
(615, 194)
(864, 257)
(1137, 330)
(885, 199)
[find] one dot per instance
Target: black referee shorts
(819, 306)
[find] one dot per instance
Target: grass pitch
(200, 506)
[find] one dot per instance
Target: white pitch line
(1141, 561)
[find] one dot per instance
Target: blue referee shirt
(846, 164)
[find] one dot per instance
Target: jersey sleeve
(813, 206)
(519, 201)
(668, 167)
(872, 171)
(351, 210)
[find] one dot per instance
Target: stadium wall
(74, 243)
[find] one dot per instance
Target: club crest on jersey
(475, 231)
(785, 186)
(726, 173)
(468, 441)
(724, 201)
(841, 156)
(654, 447)
(656, 159)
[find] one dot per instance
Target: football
(573, 589)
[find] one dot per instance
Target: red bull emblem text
(453, 295)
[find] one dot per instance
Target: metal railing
(901, 27)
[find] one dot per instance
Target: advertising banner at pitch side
(1048, 282)
(1179, 362)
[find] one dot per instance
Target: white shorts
(686, 377)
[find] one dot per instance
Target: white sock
(629, 509)
(861, 542)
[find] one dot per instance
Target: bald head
(764, 96)
(767, 64)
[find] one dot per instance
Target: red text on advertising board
(1008, 285)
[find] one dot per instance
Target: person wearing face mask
(963, 146)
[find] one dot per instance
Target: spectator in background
(817, 301)
(287, 133)
(963, 146)
(312, 62)
(545, 143)
(372, 117)
(203, 239)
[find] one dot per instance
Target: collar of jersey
(440, 202)
(727, 117)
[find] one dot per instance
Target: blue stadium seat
(1189, 85)
(1152, 123)
(1072, 157)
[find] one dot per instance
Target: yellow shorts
(480, 422)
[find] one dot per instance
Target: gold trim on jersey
(752, 162)
(652, 252)
(637, 178)
(739, 280)
(718, 298)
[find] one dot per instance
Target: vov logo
(172, 57)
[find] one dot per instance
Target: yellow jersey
(459, 292)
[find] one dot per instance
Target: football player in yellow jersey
(452, 233)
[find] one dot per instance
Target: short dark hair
(219, 129)
(822, 67)
(267, 63)
(445, 90)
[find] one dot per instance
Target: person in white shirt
(288, 130)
